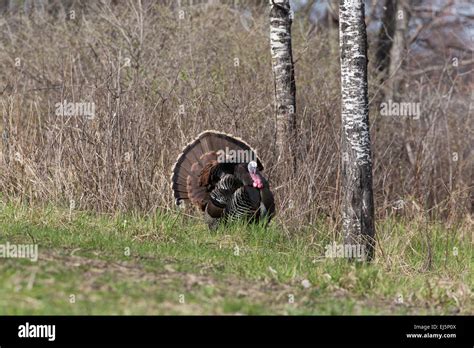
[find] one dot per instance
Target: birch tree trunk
(284, 76)
(357, 200)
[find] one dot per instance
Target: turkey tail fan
(218, 141)
(186, 172)
(195, 156)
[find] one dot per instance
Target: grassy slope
(247, 270)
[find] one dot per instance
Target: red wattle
(257, 182)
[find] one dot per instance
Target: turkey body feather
(222, 176)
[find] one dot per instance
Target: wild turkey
(221, 175)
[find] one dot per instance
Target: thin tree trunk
(399, 50)
(357, 203)
(385, 37)
(284, 76)
(396, 72)
(332, 18)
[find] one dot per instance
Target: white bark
(283, 71)
(357, 209)
(354, 79)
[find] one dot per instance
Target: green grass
(172, 264)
